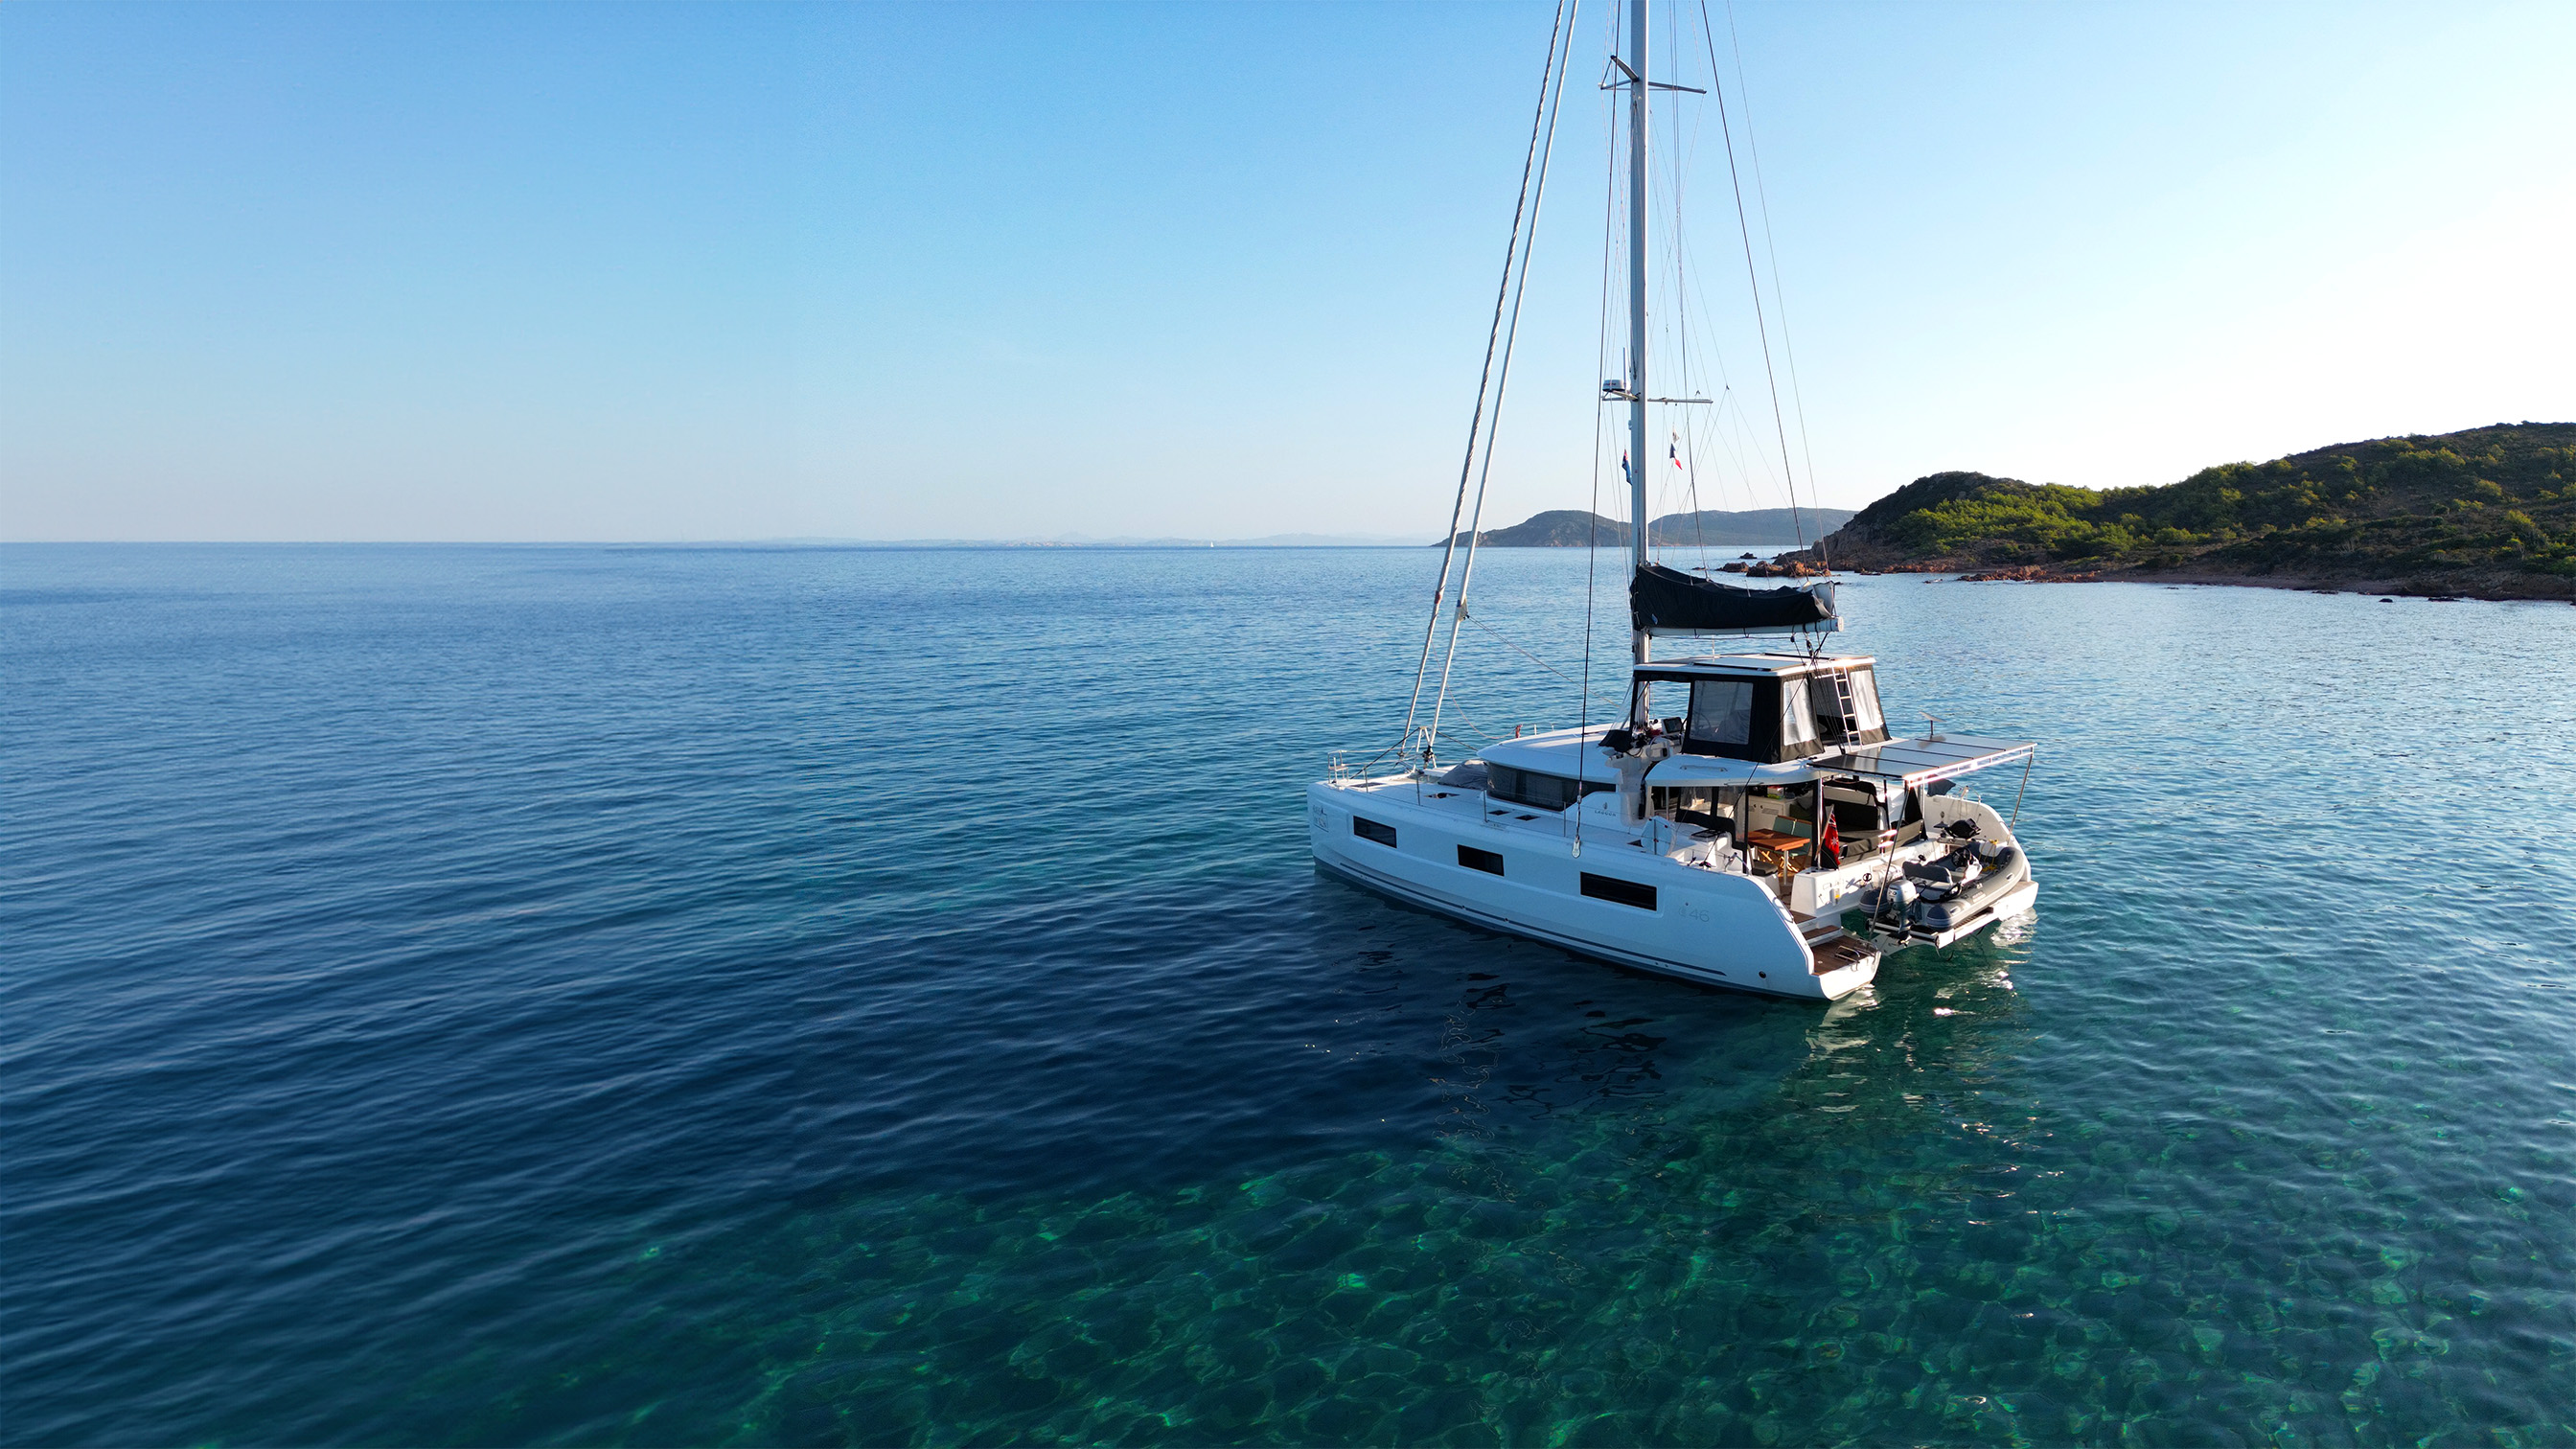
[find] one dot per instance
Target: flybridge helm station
(1764, 721)
(1765, 708)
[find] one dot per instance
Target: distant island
(1124, 541)
(1575, 528)
(2486, 513)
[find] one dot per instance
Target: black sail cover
(1662, 598)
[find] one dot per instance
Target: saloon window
(1691, 806)
(1665, 798)
(1535, 789)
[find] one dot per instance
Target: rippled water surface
(669, 996)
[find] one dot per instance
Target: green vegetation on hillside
(2490, 500)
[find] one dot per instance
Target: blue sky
(594, 272)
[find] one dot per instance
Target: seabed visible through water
(621, 996)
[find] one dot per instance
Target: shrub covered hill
(2489, 511)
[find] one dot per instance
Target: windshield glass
(1721, 711)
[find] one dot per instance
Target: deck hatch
(1367, 829)
(1485, 860)
(1625, 892)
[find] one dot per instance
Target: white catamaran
(1750, 823)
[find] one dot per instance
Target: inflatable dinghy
(1940, 900)
(1959, 905)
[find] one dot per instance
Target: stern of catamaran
(1784, 762)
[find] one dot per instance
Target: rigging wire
(1681, 312)
(1762, 196)
(1761, 328)
(1507, 643)
(1502, 379)
(1475, 421)
(1712, 427)
(1600, 360)
(1708, 428)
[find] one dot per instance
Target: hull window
(1625, 892)
(1371, 830)
(1484, 860)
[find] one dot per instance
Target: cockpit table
(1776, 851)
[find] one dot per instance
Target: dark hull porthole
(1624, 892)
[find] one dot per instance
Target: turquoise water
(702, 996)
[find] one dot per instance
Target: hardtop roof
(1742, 666)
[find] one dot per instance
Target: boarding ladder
(1840, 686)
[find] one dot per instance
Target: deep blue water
(513, 995)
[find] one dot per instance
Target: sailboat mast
(1638, 94)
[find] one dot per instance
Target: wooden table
(1776, 851)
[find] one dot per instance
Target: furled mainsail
(1668, 600)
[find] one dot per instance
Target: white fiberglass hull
(1702, 925)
